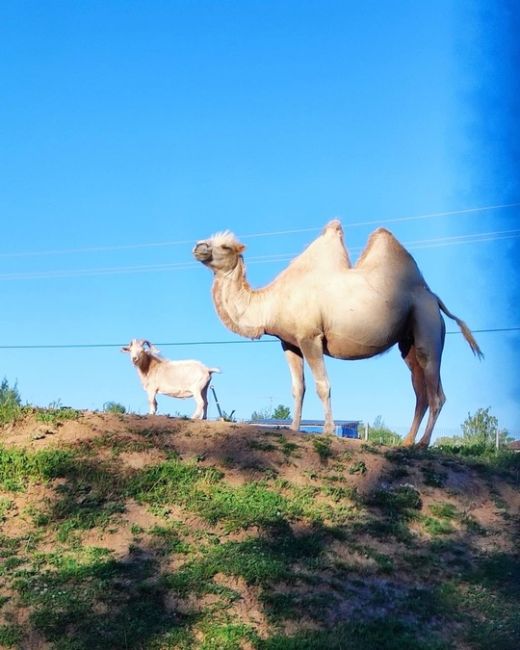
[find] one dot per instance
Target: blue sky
(129, 130)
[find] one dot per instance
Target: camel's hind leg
(295, 360)
(429, 333)
(436, 399)
(312, 350)
(419, 386)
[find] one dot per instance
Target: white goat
(173, 378)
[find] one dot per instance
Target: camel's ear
(240, 248)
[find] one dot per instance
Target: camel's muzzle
(202, 252)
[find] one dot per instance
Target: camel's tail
(466, 332)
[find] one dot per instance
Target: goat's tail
(466, 332)
(212, 370)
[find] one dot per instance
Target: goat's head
(139, 348)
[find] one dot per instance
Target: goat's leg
(312, 350)
(295, 361)
(204, 395)
(152, 403)
(201, 404)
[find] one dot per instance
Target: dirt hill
(124, 531)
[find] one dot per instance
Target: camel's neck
(239, 307)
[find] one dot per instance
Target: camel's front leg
(295, 360)
(313, 352)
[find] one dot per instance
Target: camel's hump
(334, 224)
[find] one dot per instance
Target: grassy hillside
(120, 531)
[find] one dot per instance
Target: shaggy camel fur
(322, 305)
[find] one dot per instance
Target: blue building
(344, 428)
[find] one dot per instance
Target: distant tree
(262, 414)
(10, 402)
(9, 395)
(113, 407)
(381, 434)
(479, 429)
(282, 412)
(482, 428)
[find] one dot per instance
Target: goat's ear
(125, 349)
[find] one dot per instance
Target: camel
(321, 304)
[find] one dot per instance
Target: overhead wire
(420, 244)
(65, 346)
(185, 242)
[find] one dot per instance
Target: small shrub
(113, 407)
(56, 413)
(432, 477)
(398, 500)
(437, 526)
(10, 402)
(322, 446)
(444, 510)
(358, 468)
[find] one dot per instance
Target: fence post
(366, 431)
(216, 401)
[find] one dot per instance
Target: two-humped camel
(322, 305)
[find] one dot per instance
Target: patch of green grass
(225, 636)
(261, 445)
(258, 560)
(288, 448)
(10, 635)
(5, 506)
(444, 510)
(91, 494)
(358, 468)
(489, 603)
(116, 443)
(397, 473)
(55, 413)
(399, 501)
(202, 491)
(166, 540)
(19, 467)
(99, 603)
(384, 562)
(384, 634)
(322, 446)
(433, 477)
(436, 526)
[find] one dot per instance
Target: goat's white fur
(180, 379)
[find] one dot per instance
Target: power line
(184, 242)
(259, 259)
(65, 346)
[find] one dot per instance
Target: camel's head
(220, 252)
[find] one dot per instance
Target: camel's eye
(226, 247)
